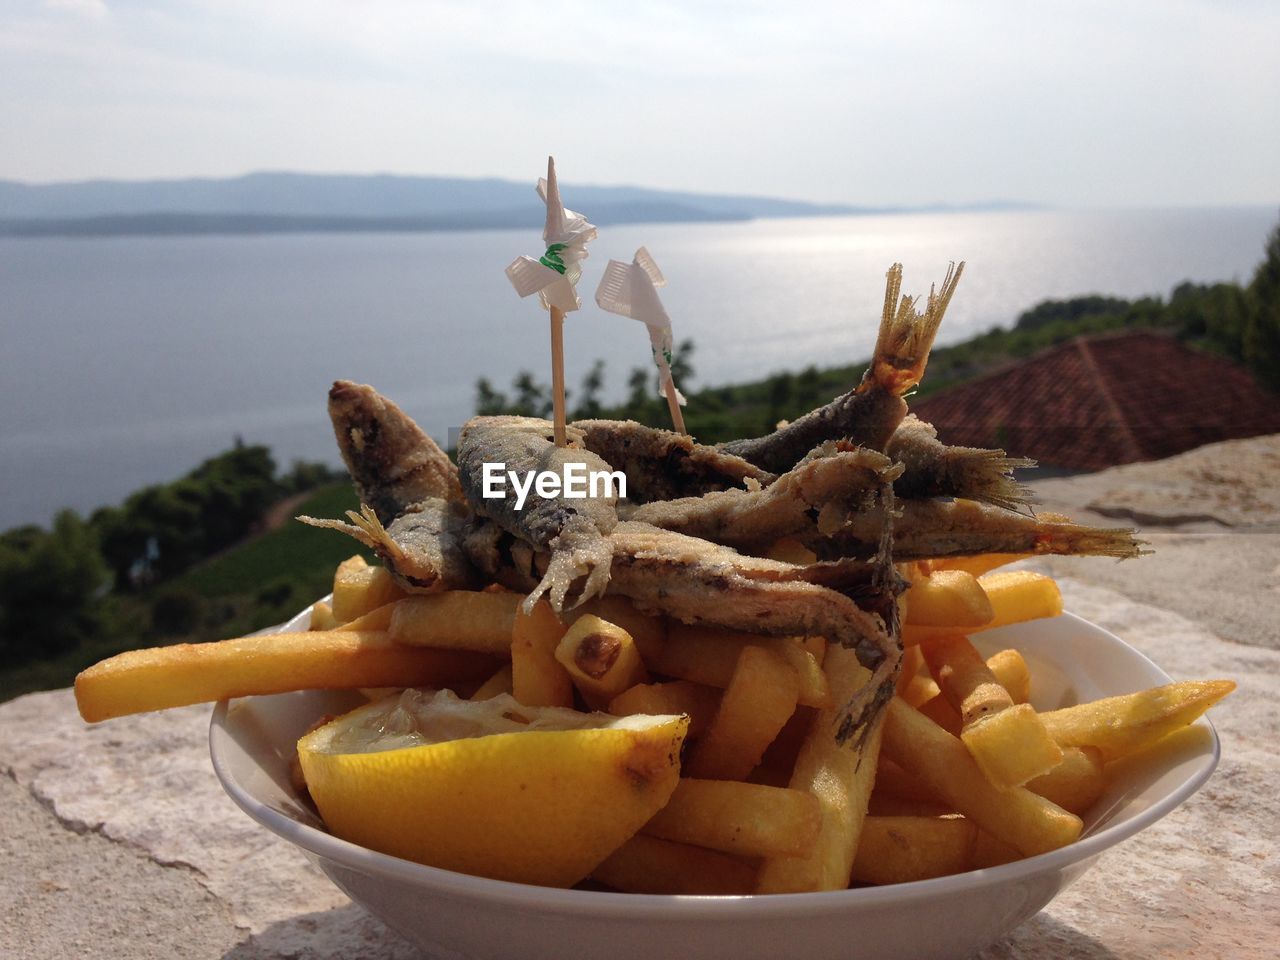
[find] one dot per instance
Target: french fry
(322, 617)
(912, 661)
(379, 618)
(943, 714)
(1007, 740)
(905, 848)
(940, 761)
(1012, 746)
(949, 598)
(886, 806)
(1076, 783)
(780, 756)
(1020, 595)
(186, 673)
(1012, 673)
(1016, 596)
(977, 564)
(601, 659)
(760, 698)
(649, 632)
(708, 655)
(647, 864)
(1121, 725)
(1008, 666)
(791, 550)
(921, 688)
(893, 781)
(538, 679)
(990, 852)
(746, 819)
(359, 588)
(697, 701)
(496, 685)
(841, 778)
(457, 620)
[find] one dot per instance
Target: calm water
(126, 361)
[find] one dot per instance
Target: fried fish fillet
(392, 462)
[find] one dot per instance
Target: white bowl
(458, 916)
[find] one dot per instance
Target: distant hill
(296, 202)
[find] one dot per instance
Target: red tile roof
(1100, 401)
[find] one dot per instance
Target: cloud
(92, 9)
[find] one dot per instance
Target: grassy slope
(260, 582)
(295, 551)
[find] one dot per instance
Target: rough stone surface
(1211, 518)
(118, 842)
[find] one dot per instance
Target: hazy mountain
(291, 202)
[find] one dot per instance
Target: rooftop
(1100, 401)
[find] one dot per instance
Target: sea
(127, 361)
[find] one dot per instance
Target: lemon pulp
(492, 788)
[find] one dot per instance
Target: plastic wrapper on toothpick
(630, 290)
(553, 276)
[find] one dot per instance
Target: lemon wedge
(492, 788)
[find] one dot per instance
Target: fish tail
(1077, 540)
(987, 475)
(906, 334)
(365, 527)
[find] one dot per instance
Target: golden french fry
(940, 761)
(893, 781)
(882, 805)
(649, 632)
(457, 620)
(497, 684)
(186, 673)
(990, 852)
(1016, 596)
(977, 564)
(791, 550)
(1012, 746)
(1020, 595)
(379, 618)
(905, 848)
(1012, 673)
(601, 659)
(322, 617)
(359, 588)
(746, 819)
(943, 714)
(816, 647)
(1076, 783)
(921, 688)
(841, 778)
(1007, 740)
(647, 864)
(760, 698)
(708, 655)
(538, 679)
(697, 701)
(949, 598)
(910, 675)
(1117, 726)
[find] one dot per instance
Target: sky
(1077, 104)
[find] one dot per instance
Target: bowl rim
(669, 906)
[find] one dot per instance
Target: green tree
(532, 399)
(1262, 329)
(592, 386)
(490, 402)
(50, 582)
